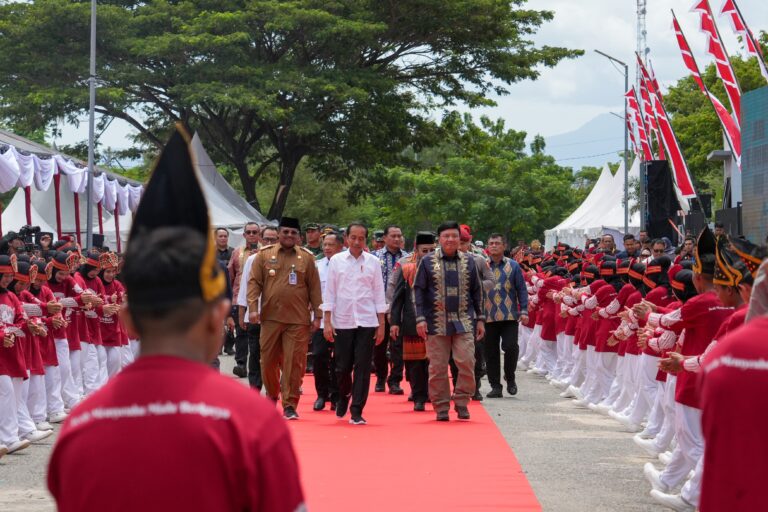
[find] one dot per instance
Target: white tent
(602, 212)
(226, 207)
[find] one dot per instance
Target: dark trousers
(395, 358)
(241, 345)
(354, 348)
(418, 376)
(325, 369)
(229, 340)
(506, 333)
(253, 334)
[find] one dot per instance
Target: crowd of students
(62, 334)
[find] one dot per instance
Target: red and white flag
(675, 154)
(730, 128)
(739, 25)
(717, 50)
(649, 118)
(636, 123)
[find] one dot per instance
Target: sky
(575, 91)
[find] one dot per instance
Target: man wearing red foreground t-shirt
(168, 432)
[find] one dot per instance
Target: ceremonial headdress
(108, 260)
(656, 272)
(752, 255)
(26, 272)
(8, 264)
(704, 252)
(425, 238)
(682, 284)
(173, 199)
(289, 222)
(730, 269)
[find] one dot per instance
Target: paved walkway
(575, 459)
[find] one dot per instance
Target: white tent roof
(601, 212)
(226, 207)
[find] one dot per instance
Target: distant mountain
(594, 143)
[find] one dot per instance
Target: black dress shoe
(341, 407)
(442, 416)
(495, 393)
(395, 389)
(512, 389)
(463, 412)
(418, 406)
(240, 371)
(319, 404)
(380, 386)
(477, 397)
(229, 351)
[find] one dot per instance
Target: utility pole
(91, 130)
(626, 139)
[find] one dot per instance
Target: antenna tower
(642, 33)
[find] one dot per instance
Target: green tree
(269, 84)
(484, 179)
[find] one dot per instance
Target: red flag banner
(730, 128)
(739, 25)
(635, 120)
(717, 50)
(675, 154)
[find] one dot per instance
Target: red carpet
(405, 461)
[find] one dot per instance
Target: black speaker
(98, 240)
(661, 200)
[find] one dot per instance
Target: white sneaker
(540, 372)
(576, 392)
(628, 425)
(568, 393)
(653, 476)
(43, 425)
(531, 369)
(665, 458)
(3, 450)
(57, 417)
(646, 444)
(673, 501)
(37, 435)
(522, 366)
(603, 408)
(645, 434)
(583, 403)
(19, 445)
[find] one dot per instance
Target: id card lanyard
(292, 278)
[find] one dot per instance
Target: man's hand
(315, 324)
(394, 331)
(379, 334)
(524, 319)
(230, 324)
(673, 363)
(253, 318)
(421, 330)
(329, 332)
(480, 330)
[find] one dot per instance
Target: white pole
(91, 129)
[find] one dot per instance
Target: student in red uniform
(185, 437)
(112, 334)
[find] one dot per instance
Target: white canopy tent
(602, 212)
(226, 207)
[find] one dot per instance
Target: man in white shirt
(354, 307)
(324, 362)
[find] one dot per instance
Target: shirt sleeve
(477, 290)
(397, 298)
(522, 290)
(255, 283)
(420, 284)
(378, 293)
(242, 293)
(315, 290)
(329, 297)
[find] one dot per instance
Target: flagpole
(91, 129)
(626, 139)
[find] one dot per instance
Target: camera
(28, 232)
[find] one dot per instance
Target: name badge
(292, 278)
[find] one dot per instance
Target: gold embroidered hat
(704, 252)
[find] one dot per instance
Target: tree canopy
(341, 85)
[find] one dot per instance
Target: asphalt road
(575, 459)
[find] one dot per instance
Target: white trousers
(69, 392)
(568, 357)
(690, 445)
(647, 387)
(101, 352)
(53, 401)
(617, 385)
(562, 357)
(663, 439)
(114, 360)
(9, 424)
(89, 361)
(548, 356)
(76, 367)
(135, 348)
(532, 352)
(36, 402)
(691, 491)
(576, 378)
(522, 341)
(589, 371)
(628, 382)
(605, 369)
(127, 356)
(26, 425)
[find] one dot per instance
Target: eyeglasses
(426, 251)
(269, 240)
(252, 232)
(658, 251)
(290, 232)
